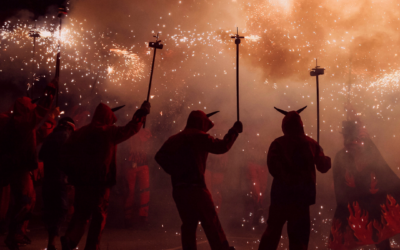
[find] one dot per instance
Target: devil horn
(281, 111)
(211, 114)
(301, 110)
(117, 108)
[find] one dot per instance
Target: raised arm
(122, 133)
(217, 146)
(322, 162)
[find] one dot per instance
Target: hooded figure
(184, 157)
(90, 156)
(135, 174)
(18, 158)
(54, 190)
(367, 193)
(291, 161)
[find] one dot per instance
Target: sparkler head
(237, 37)
(317, 71)
(34, 33)
(62, 11)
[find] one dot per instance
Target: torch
(237, 42)
(317, 71)
(156, 45)
(34, 34)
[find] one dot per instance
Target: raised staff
(237, 42)
(61, 12)
(34, 34)
(156, 45)
(317, 71)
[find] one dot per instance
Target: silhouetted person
(18, 158)
(366, 190)
(54, 189)
(136, 174)
(91, 168)
(184, 157)
(291, 161)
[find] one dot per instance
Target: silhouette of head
(292, 123)
(103, 115)
(199, 120)
(67, 122)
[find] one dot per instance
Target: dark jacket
(50, 154)
(184, 155)
(18, 136)
(90, 152)
(291, 161)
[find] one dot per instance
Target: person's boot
(51, 247)
(65, 244)
(11, 243)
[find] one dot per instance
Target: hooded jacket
(184, 155)
(291, 161)
(18, 135)
(90, 151)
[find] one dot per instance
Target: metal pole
(317, 110)
(237, 80)
(151, 74)
(237, 42)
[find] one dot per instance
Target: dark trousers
(298, 227)
(22, 189)
(196, 205)
(141, 176)
(89, 202)
(55, 205)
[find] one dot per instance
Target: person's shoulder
(279, 139)
(311, 140)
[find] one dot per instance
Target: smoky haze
(105, 57)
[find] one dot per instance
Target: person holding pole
(291, 162)
(184, 157)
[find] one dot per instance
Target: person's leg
(217, 180)
(299, 228)
(210, 221)
(83, 210)
(55, 207)
(188, 214)
(276, 219)
(130, 175)
(21, 186)
(99, 217)
(4, 204)
(144, 195)
(383, 245)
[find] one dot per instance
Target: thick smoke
(356, 41)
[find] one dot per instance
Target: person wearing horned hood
(367, 193)
(291, 161)
(18, 158)
(54, 190)
(184, 157)
(90, 156)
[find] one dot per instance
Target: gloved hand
(238, 127)
(143, 111)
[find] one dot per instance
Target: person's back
(291, 161)
(91, 168)
(184, 157)
(54, 190)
